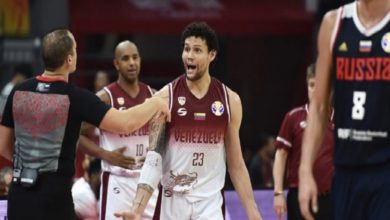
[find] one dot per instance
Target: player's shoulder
(297, 110)
(333, 15)
(147, 87)
(163, 92)
(233, 96)
(144, 85)
(104, 96)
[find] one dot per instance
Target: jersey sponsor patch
(217, 108)
(386, 42)
(360, 135)
(343, 47)
(181, 100)
(43, 87)
(120, 100)
(116, 190)
(182, 112)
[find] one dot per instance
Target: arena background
(265, 45)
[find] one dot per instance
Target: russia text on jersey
(363, 69)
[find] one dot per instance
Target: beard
(193, 78)
(196, 76)
(130, 79)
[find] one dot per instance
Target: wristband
(276, 193)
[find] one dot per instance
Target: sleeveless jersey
(137, 141)
(194, 161)
(361, 71)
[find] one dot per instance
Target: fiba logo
(217, 108)
(386, 42)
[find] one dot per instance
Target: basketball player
(190, 152)
(354, 57)
(288, 145)
(119, 184)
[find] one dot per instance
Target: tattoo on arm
(146, 187)
(139, 203)
(157, 136)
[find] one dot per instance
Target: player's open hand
(117, 158)
(128, 216)
(307, 194)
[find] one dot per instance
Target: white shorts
(178, 207)
(117, 194)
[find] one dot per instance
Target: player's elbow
(237, 166)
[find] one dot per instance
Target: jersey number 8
(359, 99)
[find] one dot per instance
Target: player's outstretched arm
(152, 169)
(235, 162)
(135, 117)
(318, 113)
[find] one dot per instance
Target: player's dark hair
(94, 167)
(203, 31)
(264, 139)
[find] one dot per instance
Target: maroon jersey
(195, 162)
(121, 100)
(290, 137)
(137, 141)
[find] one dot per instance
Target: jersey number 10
(140, 150)
(359, 99)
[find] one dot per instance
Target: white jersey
(84, 199)
(194, 163)
(136, 142)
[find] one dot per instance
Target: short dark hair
(311, 71)
(56, 46)
(203, 31)
(94, 167)
(264, 139)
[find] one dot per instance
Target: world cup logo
(386, 42)
(217, 108)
